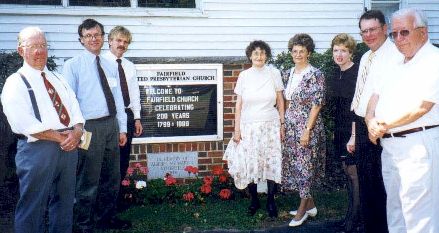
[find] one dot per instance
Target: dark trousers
(98, 175)
(47, 177)
(125, 150)
(372, 191)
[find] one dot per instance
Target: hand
(376, 129)
(122, 139)
(305, 138)
(138, 128)
(282, 132)
(373, 139)
(237, 137)
(71, 141)
(350, 146)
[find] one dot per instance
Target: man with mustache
(119, 39)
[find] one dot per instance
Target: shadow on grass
(216, 214)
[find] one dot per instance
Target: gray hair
(419, 15)
(28, 32)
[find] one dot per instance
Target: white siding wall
(431, 8)
(217, 28)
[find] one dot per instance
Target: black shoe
(253, 208)
(115, 223)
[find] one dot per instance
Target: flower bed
(136, 190)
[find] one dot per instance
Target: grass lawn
(232, 214)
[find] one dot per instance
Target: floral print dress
(303, 166)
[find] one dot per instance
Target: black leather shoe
(253, 208)
(115, 223)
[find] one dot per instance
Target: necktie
(63, 115)
(360, 83)
(106, 88)
(123, 83)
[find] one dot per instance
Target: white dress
(258, 155)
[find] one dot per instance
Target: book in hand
(85, 140)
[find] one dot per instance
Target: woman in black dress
(343, 88)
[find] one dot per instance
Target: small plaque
(174, 163)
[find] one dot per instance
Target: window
(33, 2)
(109, 3)
(386, 6)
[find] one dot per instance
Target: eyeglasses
(403, 33)
(370, 30)
(35, 46)
(94, 36)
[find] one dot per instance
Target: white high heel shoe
(311, 212)
(295, 223)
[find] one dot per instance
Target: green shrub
(10, 62)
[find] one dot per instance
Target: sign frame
(181, 67)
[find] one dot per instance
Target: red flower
(144, 170)
(206, 189)
(191, 169)
(130, 171)
(138, 165)
(188, 196)
(208, 180)
(126, 182)
(225, 194)
(170, 180)
(217, 170)
(222, 179)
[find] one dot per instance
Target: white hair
(28, 32)
(419, 15)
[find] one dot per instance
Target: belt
(22, 137)
(100, 118)
(402, 134)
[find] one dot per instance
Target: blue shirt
(82, 75)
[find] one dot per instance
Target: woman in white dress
(254, 155)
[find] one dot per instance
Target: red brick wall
(209, 153)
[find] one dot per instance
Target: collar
(419, 54)
(90, 56)
(26, 68)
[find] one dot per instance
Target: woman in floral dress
(254, 154)
(304, 150)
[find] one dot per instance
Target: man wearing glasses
(404, 114)
(43, 111)
(95, 83)
(373, 30)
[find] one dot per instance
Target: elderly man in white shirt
(43, 110)
(404, 113)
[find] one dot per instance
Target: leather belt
(100, 118)
(22, 137)
(402, 134)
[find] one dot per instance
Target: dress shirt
(384, 56)
(17, 104)
(131, 77)
(409, 84)
(82, 75)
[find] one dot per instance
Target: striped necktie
(63, 115)
(360, 83)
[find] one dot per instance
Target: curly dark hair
(258, 44)
(302, 39)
